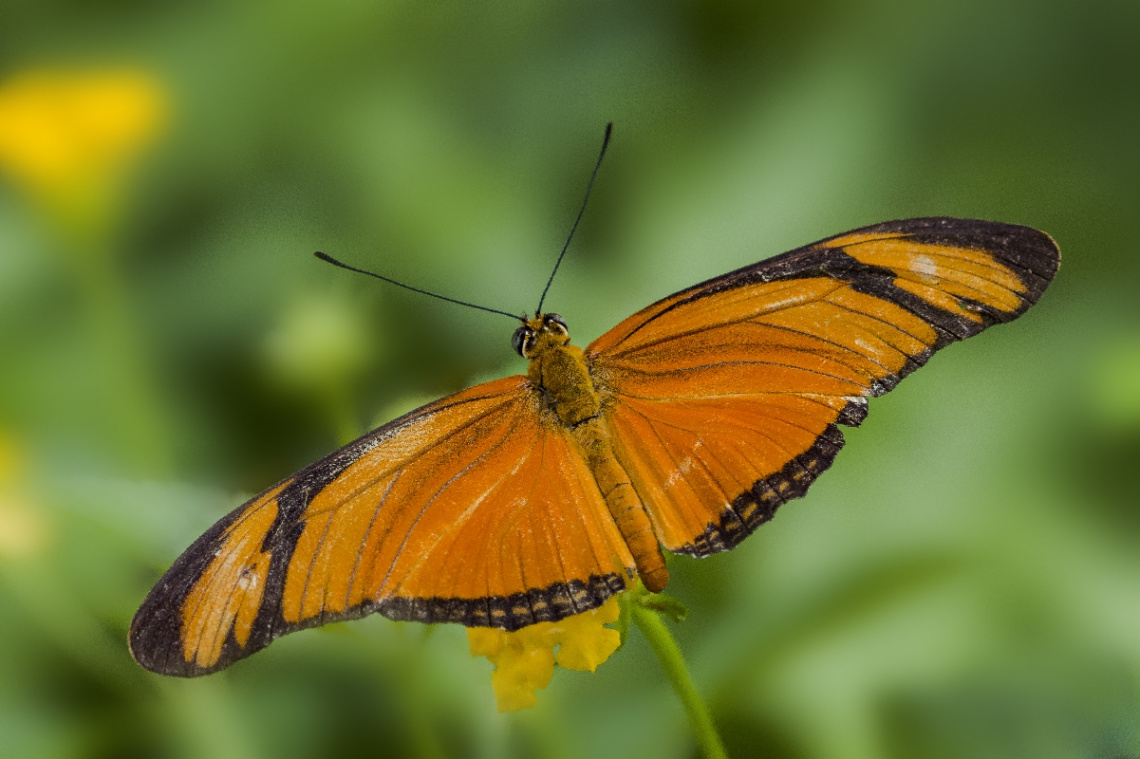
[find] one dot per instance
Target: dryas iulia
(532, 498)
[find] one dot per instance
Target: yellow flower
(69, 138)
(524, 660)
(23, 530)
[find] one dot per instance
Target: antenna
(582, 210)
(334, 262)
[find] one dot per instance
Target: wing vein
(429, 502)
(367, 535)
(396, 466)
(737, 362)
(312, 563)
(613, 352)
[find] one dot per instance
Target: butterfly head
(540, 333)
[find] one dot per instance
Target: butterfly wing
(724, 399)
(474, 509)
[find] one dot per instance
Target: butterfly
(539, 496)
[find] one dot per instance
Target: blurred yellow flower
(23, 531)
(68, 138)
(524, 660)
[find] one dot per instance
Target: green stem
(669, 654)
(137, 408)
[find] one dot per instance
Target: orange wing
(473, 509)
(724, 398)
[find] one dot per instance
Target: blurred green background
(965, 582)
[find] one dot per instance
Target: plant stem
(138, 410)
(669, 654)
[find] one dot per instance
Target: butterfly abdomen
(624, 504)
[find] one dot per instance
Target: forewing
(475, 509)
(724, 399)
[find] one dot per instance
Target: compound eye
(521, 339)
(556, 319)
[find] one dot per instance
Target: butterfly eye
(556, 319)
(522, 339)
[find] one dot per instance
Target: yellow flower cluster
(524, 660)
(67, 136)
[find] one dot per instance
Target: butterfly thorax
(558, 369)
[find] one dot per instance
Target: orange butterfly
(535, 497)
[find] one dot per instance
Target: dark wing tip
(155, 637)
(1029, 253)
